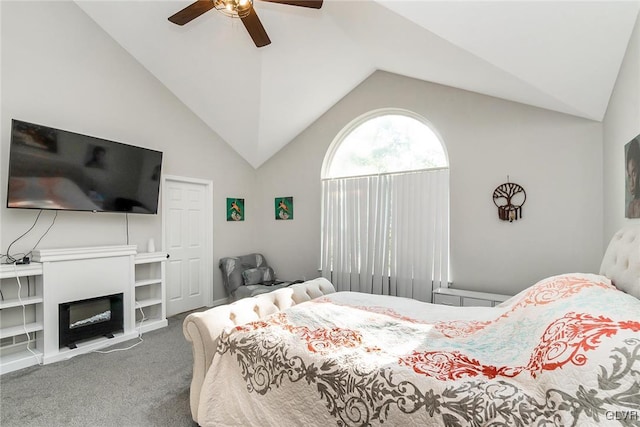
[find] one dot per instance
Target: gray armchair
(248, 275)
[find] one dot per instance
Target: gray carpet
(144, 386)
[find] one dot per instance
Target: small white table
(464, 298)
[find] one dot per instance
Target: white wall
(621, 124)
(88, 84)
(60, 69)
(555, 157)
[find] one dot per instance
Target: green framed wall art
(235, 209)
(284, 208)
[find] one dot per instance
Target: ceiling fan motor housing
(242, 9)
(234, 8)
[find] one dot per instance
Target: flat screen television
(56, 169)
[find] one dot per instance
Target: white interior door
(187, 224)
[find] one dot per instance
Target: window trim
(358, 121)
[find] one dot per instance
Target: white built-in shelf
(9, 271)
(149, 257)
(465, 298)
(149, 291)
(16, 357)
(18, 303)
(148, 302)
(12, 283)
(151, 324)
(13, 362)
(13, 331)
(148, 282)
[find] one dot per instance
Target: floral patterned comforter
(564, 352)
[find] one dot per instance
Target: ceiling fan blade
(191, 12)
(315, 4)
(256, 30)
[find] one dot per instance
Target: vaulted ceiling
(559, 55)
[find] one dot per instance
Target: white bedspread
(565, 351)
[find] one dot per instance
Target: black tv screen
(55, 169)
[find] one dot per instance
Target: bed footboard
(203, 328)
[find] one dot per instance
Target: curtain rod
(387, 173)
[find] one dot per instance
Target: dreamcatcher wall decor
(509, 198)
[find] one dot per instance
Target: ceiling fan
(242, 9)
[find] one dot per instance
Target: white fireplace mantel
(73, 274)
(70, 254)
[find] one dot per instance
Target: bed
(565, 351)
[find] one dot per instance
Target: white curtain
(387, 234)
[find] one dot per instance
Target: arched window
(385, 206)
(384, 142)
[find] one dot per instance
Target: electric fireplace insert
(89, 318)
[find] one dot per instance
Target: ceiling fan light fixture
(242, 9)
(234, 8)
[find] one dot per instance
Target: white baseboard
(220, 301)
(88, 346)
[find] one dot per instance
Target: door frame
(208, 225)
